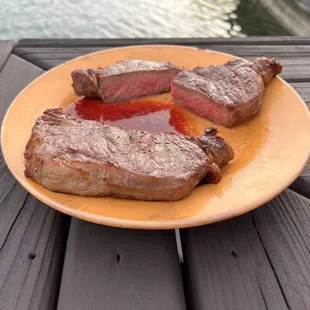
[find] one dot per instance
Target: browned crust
(213, 175)
(267, 68)
(87, 82)
(39, 165)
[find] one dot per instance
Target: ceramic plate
(271, 149)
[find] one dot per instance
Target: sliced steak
(89, 158)
(85, 82)
(125, 80)
(227, 94)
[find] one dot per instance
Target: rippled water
(134, 18)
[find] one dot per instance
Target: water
(134, 18)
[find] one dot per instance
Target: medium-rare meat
(125, 80)
(72, 155)
(226, 94)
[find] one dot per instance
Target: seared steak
(125, 80)
(85, 82)
(226, 94)
(89, 158)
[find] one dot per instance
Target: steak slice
(72, 155)
(125, 80)
(228, 94)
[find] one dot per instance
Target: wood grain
(5, 51)
(284, 228)
(111, 268)
(227, 268)
(30, 253)
(15, 75)
(32, 236)
(279, 40)
(302, 184)
(295, 59)
(256, 261)
(303, 90)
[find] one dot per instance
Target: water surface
(134, 18)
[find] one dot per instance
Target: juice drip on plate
(145, 114)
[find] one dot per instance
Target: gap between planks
(259, 260)
(33, 235)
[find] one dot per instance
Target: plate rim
(136, 224)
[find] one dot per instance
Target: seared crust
(267, 68)
(85, 82)
(114, 83)
(227, 94)
(72, 155)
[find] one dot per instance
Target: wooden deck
(260, 260)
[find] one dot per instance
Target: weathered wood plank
(30, 266)
(32, 236)
(294, 58)
(303, 90)
(283, 226)
(227, 268)
(284, 40)
(245, 50)
(15, 75)
(120, 269)
(5, 51)
(302, 184)
(255, 261)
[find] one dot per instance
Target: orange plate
(271, 149)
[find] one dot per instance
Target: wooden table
(260, 260)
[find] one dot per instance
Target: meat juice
(145, 114)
